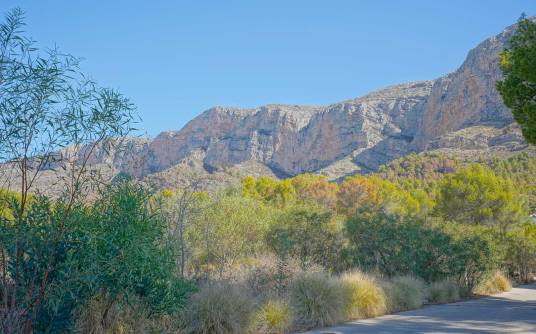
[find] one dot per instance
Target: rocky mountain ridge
(458, 113)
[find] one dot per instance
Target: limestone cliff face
(468, 96)
(344, 138)
(294, 139)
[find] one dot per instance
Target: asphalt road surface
(509, 312)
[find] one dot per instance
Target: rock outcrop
(460, 112)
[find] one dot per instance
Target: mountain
(460, 113)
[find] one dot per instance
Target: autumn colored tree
(357, 191)
(315, 188)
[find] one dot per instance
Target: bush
(443, 292)
(494, 284)
(316, 300)
(269, 275)
(273, 317)
(363, 297)
(404, 293)
(219, 309)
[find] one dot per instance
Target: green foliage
(475, 195)
(311, 234)
(125, 250)
(230, 229)
(518, 88)
(479, 250)
(521, 253)
(46, 104)
(269, 190)
(396, 245)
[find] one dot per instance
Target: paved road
(509, 312)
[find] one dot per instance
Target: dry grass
(316, 300)
(497, 283)
(102, 315)
(274, 317)
(219, 309)
(363, 297)
(404, 293)
(444, 291)
(268, 275)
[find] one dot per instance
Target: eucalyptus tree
(52, 117)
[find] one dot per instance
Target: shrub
(494, 284)
(219, 309)
(443, 292)
(363, 297)
(269, 275)
(316, 300)
(273, 317)
(404, 293)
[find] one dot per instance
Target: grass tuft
(404, 293)
(316, 300)
(444, 291)
(363, 297)
(496, 283)
(274, 317)
(219, 309)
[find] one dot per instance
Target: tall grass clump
(101, 314)
(363, 297)
(219, 308)
(445, 291)
(496, 283)
(274, 317)
(404, 293)
(316, 300)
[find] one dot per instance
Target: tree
(228, 229)
(315, 188)
(268, 189)
(51, 117)
(309, 233)
(521, 254)
(124, 251)
(475, 195)
(356, 192)
(394, 245)
(178, 208)
(518, 88)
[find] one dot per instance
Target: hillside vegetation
(282, 255)
(265, 256)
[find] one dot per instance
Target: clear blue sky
(175, 59)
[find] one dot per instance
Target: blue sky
(175, 59)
